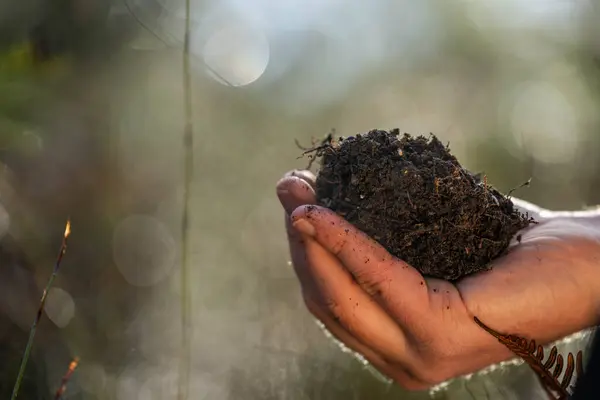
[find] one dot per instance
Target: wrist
(583, 227)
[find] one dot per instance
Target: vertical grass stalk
(36, 321)
(188, 144)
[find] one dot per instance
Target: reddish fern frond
(533, 355)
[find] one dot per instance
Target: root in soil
(413, 197)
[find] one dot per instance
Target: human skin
(420, 331)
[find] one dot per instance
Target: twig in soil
(65, 379)
(409, 200)
(36, 321)
(188, 148)
(315, 151)
(519, 187)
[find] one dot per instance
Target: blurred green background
(91, 126)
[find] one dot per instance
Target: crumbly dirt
(413, 197)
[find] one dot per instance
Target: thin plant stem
(188, 144)
(65, 379)
(168, 45)
(36, 321)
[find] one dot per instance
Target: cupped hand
(420, 331)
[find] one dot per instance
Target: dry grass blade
(533, 355)
(36, 321)
(63, 385)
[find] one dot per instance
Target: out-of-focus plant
(25, 85)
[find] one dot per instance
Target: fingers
(397, 286)
(394, 371)
(341, 334)
(294, 191)
(305, 175)
(352, 308)
(324, 281)
(333, 296)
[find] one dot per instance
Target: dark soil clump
(412, 196)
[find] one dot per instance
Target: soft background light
(512, 85)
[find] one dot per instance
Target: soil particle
(413, 197)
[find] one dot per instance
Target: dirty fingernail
(306, 176)
(305, 227)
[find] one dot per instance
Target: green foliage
(24, 88)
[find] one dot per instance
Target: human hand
(420, 331)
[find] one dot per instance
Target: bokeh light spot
(144, 250)
(236, 55)
(92, 377)
(60, 307)
(128, 386)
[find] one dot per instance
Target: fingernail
(306, 176)
(305, 227)
(294, 172)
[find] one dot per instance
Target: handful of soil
(413, 197)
